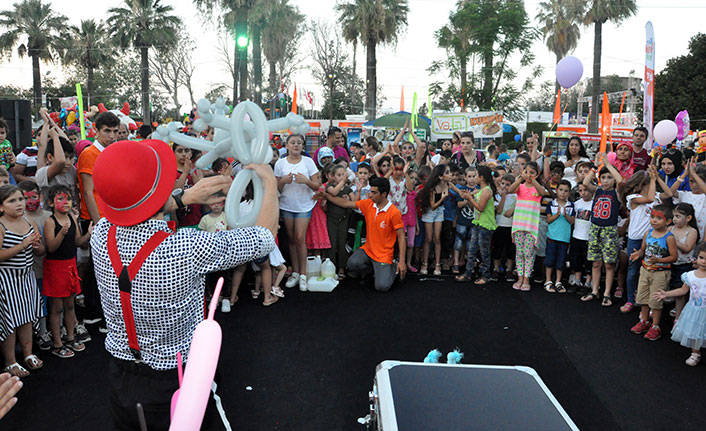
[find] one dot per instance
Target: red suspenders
(125, 276)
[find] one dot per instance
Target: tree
(169, 68)
(559, 24)
(379, 21)
(455, 38)
(89, 48)
(280, 40)
(598, 12)
(680, 84)
(144, 24)
(220, 90)
(329, 60)
(42, 28)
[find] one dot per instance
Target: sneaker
(494, 276)
(102, 328)
(694, 359)
(654, 333)
(292, 280)
(302, 283)
(509, 277)
(80, 301)
(225, 306)
(641, 327)
(572, 279)
(92, 321)
(82, 334)
(44, 341)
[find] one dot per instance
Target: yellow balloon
(70, 118)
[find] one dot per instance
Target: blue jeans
(463, 237)
(480, 239)
(633, 269)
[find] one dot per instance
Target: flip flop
(606, 302)
(589, 297)
(33, 362)
(16, 370)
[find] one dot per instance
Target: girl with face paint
(62, 235)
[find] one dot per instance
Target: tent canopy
(397, 121)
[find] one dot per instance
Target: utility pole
(330, 99)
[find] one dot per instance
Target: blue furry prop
(433, 357)
(454, 357)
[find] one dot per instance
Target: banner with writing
(482, 124)
(649, 96)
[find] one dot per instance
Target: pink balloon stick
(214, 300)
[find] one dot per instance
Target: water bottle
(328, 269)
(313, 267)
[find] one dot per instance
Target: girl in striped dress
(19, 295)
(525, 222)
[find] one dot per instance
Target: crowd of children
(570, 225)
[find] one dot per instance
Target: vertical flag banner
(429, 106)
(81, 118)
(294, 100)
(605, 123)
(649, 94)
(557, 108)
(414, 119)
(402, 99)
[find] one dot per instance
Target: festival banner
(649, 91)
(482, 124)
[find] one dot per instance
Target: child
(6, 153)
(525, 223)
(55, 164)
(33, 211)
(603, 233)
(4, 177)
(560, 216)
(430, 199)
(464, 222)
(641, 196)
(400, 185)
(483, 225)
(337, 217)
(317, 235)
(502, 237)
(659, 250)
(62, 235)
(221, 166)
(360, 191)
(690, 329)
(448, 230)
(578, 247)
(582, 169)
(696, 197)
(187, 176)
(21, 241)
(552, 176)
(410, 219)
(686, 236)
(214, 221)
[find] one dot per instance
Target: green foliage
(680, 85)
(220, 90)
(39, 24)
(348, 96)
(559, 23)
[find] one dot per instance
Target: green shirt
(485, 218)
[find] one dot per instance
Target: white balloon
(245, 137)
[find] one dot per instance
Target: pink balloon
(683, 124)
(569, 71)
(665, 132)
(200, 369)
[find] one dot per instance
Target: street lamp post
(330, 100)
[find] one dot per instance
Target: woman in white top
(575, 153)
(297, 179)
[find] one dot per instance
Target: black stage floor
(310, 359)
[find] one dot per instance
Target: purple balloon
(569, 71)
(683, 125)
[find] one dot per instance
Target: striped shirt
(24, 258)
(526, 217)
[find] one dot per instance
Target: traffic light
(241, 35)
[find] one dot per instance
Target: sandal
(75, 345)
(462, 277)
(694, 359)
(454, 269)
(517, 285)
(271, 301)
(437, 270)
(549, 287)
(481, 281)
(62, 352)
(606, 302)
(627, 307)
(559, 287)
(342, 276)
(16, 370)
(589, 297)
(525, 287)
(619, 293)
(424, 270)
(277, 291)
(255, 293)
(32, 362)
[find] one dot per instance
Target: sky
(675, 22)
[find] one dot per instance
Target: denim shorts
(432, 216)
(556, 254)
(463, 236)
(290, 214)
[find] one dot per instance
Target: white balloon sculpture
(244, 139)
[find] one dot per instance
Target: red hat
(134, 180)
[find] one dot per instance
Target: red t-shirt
(641, 160)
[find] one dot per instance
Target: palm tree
(144, 24)
(87, 49)
(379, 21)
(455, 38)
(559, 23)
(41, 29)
(598, 12)
(283, 23)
